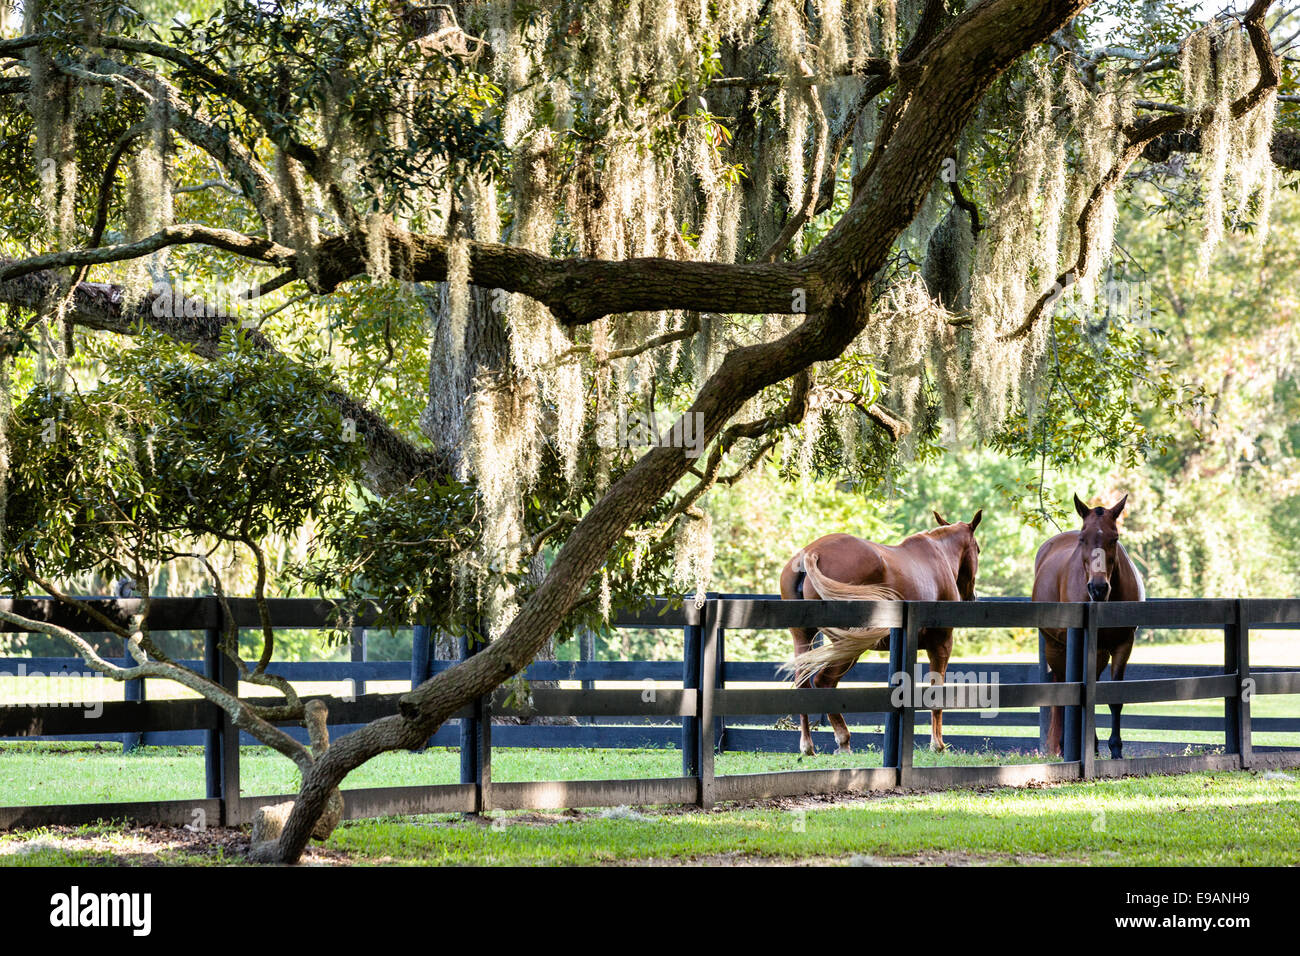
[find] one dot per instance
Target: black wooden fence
(707, 713)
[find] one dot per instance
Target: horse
(935, 565)
(1088, 565)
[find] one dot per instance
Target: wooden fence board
(1142, 766)
(600, 703)
(1174, 613)
(793, 783)
(1152, 691)
(1274, 758)
(115, 717)
(660, 613)
(1271, 682)
(369, 802)
(558, 794)
(803, 700)
(996, 614)
(1005, 775)
(764, 614)
(1284, 612)
(141, 813)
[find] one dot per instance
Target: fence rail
(694, 716)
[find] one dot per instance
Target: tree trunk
(485, 346)
(937, 95)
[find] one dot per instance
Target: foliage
(582, 128)
(167, 451)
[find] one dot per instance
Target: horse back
(914, 572)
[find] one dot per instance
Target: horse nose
(1098, 590)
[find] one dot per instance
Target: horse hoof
(846, 749)
(938, 748)
(808, 751)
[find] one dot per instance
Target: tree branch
(188, 233)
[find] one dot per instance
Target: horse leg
(831, 677)
(803, 638)
(939, 651)
(1118, 664)
(1103, 658)
(1055, 654)
(1055, 725)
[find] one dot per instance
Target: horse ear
(1116, 511)
(938, 517)
(1080, 507)
(975, 521)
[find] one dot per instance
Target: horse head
(967, 553)
(1098, 545)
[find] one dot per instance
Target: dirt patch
(146, 846)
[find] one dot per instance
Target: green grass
(36, 774)
(1239, 818)
(1197, 819)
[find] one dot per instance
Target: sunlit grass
(1234, 819)
(1198, 819)
(41, 774)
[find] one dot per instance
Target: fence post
(1088, 725)
(221, 750)
(1236, 709)
(421, 661)
(889, 746)
(587, 654)
(476, 740)
(691, 679)
(907, 715)
(359, 655)
(720, 723)
(483, 749)
(421, 655)
(212, 737)
(708, 688)
(1044, 677)
(1072, 733)
(132, 690)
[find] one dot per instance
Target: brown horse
(935, 565)
(1088, 565)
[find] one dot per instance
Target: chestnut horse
(935, 565)
(1088, 565)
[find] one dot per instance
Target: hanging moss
(693, 553)
(148, 205)
(51, 99)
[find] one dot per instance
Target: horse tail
(844, 645)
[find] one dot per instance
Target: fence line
(694, 717)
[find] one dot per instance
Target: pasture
(521, 778)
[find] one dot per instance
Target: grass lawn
(1238, 818)
(35, 774)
